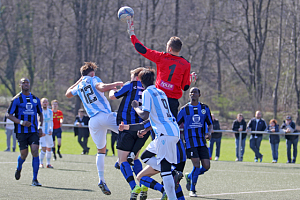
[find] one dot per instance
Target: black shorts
(25, 139)
(174, 104)
(198, 152)
(56, 132)
(126, 140)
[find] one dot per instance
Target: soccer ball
(125, 13)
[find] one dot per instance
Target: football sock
(137, 167)
(169, 184)
(202, 170)
(48, 157)
(179, 193)
(58, 148)
(153, 163)
(20, 163)
(42, 155)
(127, 173)
(100, 166)
(195, 174)
(35, 166)
(151, 183)
(53, 150)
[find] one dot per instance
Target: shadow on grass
(72, 170)
(71, 189)
(80, 162)
(203, 197)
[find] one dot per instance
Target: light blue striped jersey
(92, 99)
(48, 121)
(162, 121)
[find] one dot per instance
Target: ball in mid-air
(125, 13)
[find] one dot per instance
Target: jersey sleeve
(140, 126)
(13, 106)
(39, 107)
(51, 123)
(144, 51)
(180, 117)
(186, 77)
(74, 91)
(146, 101)
(208, 119)
(123, 91)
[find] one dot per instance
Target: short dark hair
(80, 110)
(87, 68)
(195, 88)
(136, 71)
(147, 76)
(175, 43)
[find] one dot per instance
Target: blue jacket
(261, 126)
(274, 139)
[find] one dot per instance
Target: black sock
(58, 147)
(53, 150)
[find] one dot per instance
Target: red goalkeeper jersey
(173, 72)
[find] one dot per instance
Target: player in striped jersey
(155, 107)
(91, 90)
(46, 141)
(26, 106)
(127, 139)
(195, 115)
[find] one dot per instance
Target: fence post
(240, 145)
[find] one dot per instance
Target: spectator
(215, 137)
(239, 125)
(114, 138)
(83, 133)
(274, 139)
(10, 132)
(289, 127)
(256, 124)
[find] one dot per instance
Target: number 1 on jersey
(172, 68)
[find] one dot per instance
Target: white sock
(48, 156)
(41, 156)
(100, 166)
(169, 185)
(153, 163)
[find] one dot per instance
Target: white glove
(130, 29)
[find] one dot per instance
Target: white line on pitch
(250, 192)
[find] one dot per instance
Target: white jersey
(93, 100)
(48, 121)
(162, 121)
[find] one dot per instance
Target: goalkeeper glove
(193, 77)
(130, 29)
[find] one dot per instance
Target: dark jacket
(235, 127)
(216, 125)
(274, 139)
(261, 126)
(85, 131)
(293, 126)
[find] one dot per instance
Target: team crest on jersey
(29, 106)
(163, 142)
(203, 111)
(29, 110)
(196, 118)
(34, 101)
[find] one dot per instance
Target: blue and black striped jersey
(25, 108)
(130, 91)
(195, 119)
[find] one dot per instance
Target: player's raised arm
(104, 87)
(69, 91)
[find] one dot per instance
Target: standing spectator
(239, 125)
(114, 138)
(83, 133)
(215, 137)
(25, 107)
(274, 139)
(289, 127)
(9, 130)
(256, 124)
(57, 121)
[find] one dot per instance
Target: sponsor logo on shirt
(166, 85)
(28, 110)
(196, 121)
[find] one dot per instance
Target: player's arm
(51, 124)
(180, 117)
(186, 81)
(41, 118)
(135, 127)
(104, 87)
(209, 123)
(69, 91)
(11, 110)
(116, 94)
(142, 113)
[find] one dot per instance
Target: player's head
(147, 77)
(194, 94)
(45, 103)
(135, 73)
(174, 45)
(88, 69)
(80, 112)
(54, 104)
(24, 84)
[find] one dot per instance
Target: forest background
(245, 52)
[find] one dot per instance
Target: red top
(56, 119)
(173, 72)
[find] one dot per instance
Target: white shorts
(46, 141)
(164, 147)
(99, 124)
